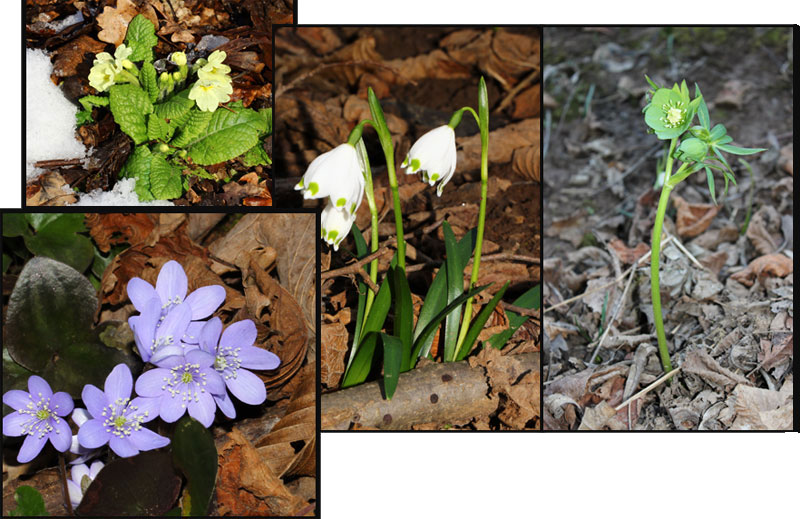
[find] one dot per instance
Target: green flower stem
(127, 76)
(385, 137)
(483, 124)
(670, 182)
(373, 210)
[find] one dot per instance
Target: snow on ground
(49, 116)
(121, 195)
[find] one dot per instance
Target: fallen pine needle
(649, 388)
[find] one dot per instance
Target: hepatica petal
(247, 387)
(256, 358)
(92, 434)
(119, 383)
(38, 387)
(16, 399)
(140, 292)
(239, 334)
(172, 283)
(205, 300)
(31, 447)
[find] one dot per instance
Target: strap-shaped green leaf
(147, 76)
(393, 359)
(130, 106)
(477, 324)
(361, 361)
(436, 298)
(532, 298)
(230, 133)
(141, 38)
(192, 129)
(429, 330)
(455, 287)
(403, 315)
(361, 251)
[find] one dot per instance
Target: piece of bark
(441, 393)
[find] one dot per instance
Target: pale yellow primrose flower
(106, 67)
(103, 75)
(208, 94)
(215, 69)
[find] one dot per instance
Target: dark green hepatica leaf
(56, 237)
(194, 453)
(30, 503)
(145, 484)
(48, 328)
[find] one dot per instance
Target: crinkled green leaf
(266, 113)
(89, 101)
(149, 80)
(138, 167)
(157, 128)
(192, 129)
(230, 133)
(83, 117)
(141, 38)
(175, 106)
(256, 156)
(165, 179)
(194, 453)
(130, 106)
(30, 503)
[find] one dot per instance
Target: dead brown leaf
(773, 353)
(764, 230)
(602, 417)
(334, 340)
(763, 409)
(525, 162)
(627, 255)
(504, 141)
(693, 219)
(289, 448)
(322, 39)
(71, 55)
(771, 265)
(48, 189)
(247, 486)
(114, 20)
(703, 365)
(527, 103)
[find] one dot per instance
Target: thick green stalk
(385, 137)
(483, 124)
(655, 288)
(373, 211)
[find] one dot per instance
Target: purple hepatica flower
(81, 416)
(82, 477)
(232, 352)
(183, 383)
(119, 419)
(157, 335)
(171, 287)
(38, 416)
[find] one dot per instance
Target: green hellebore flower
(208, 94)
(670, 112)
(692, 148)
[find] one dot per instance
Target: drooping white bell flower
(336, 224)
(434, 154)
(338, 175)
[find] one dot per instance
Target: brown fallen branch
(441, 393)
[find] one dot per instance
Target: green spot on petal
(435, 177)
(332, 235)
(313, 187)
(341, 202)
(415, 164)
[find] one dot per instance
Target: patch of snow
(121, 195)
(66, 22)
(49, 116)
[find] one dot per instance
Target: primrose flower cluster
(195, 366)
(212, 87)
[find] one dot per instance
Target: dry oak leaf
(525, 162)
(48, 189)
(703, 365)
(504, 141)
(627, 255)
(693, 219)
(114, 20)
(773, 265)
(773, 353)
(322, 39)
(71, 55)
(762, 409)
(247, 486)
(334, 340)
